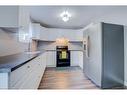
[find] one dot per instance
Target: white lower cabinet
(29, 75)
(51, 58)
(77, 58)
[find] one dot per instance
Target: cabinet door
(72, 35)
(48, 34)
(45, 34)
(52, 34)
(51, 58)
(77, 58)
(35, 28)
(34, 78)
(69, 35)
(18, 76)
(29, 75)
(9, 16)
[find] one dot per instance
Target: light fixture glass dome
(65, 15)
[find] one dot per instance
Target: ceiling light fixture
(65, 15)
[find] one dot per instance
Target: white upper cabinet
(35, 28)
(9, 16)
(24, 23)
(72, 35)
(24, 18)
(51, 34)
(48, 34)
(42, 33)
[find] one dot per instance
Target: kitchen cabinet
(42, 33)
(77, 58)
(29, 75)
(106, 55)
(14, 17)
(51, 58)
(51, 34)
(24, 23)
(24, 18)
(9, 16)
(35, 29)
(48, 34)
(72, 35)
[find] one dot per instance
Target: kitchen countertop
(12, 62)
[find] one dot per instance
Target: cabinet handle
(28, 66)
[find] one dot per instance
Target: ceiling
(49, 16)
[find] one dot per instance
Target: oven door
(63, 58)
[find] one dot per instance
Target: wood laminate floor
(65, 78)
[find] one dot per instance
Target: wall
(9, 16)
(9, 43)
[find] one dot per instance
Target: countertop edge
(16, 67)
(7, 70)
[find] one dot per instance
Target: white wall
(9, 16)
